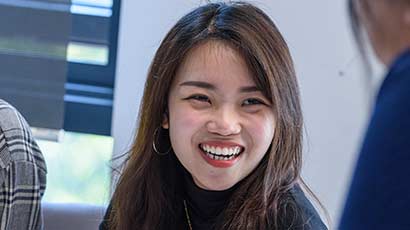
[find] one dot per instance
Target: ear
(165, 121)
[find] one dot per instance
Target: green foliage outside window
(78, 169)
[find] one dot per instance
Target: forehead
(215, 62)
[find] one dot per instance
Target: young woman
(379, 196)
(219, 139)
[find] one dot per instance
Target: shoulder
(10, 118)
(16, 141)
(298, 213)
(382, 165)
(394, 88)
(388, 129)
(104, 225)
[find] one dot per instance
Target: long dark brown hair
(146, 196)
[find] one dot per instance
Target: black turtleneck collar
(204, 206)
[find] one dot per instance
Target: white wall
(327, 65)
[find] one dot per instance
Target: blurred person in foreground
(379, 196)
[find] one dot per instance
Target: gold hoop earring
(154, 146)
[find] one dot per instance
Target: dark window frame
(92, 85)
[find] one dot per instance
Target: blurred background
(76, 70)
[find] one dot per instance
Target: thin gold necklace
(187, 216)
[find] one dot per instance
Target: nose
(225, 121)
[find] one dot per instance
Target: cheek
(262, 131)
(183, 118)
(183, 125)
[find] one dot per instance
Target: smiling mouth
(221, 153)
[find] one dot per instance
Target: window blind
(57, 61)
(33, 47)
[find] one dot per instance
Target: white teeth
(219, 153)
(237, 150)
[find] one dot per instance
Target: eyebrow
(199, 84)
(206, 85)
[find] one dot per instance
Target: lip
(222, 144)
(220, 163)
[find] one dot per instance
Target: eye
(252, 101)
(199, 97)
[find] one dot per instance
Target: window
(58, 57)
(78, 168)
(57, 67)
(92, 58)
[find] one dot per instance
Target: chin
(217, 186)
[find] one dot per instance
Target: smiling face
(220, 124)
